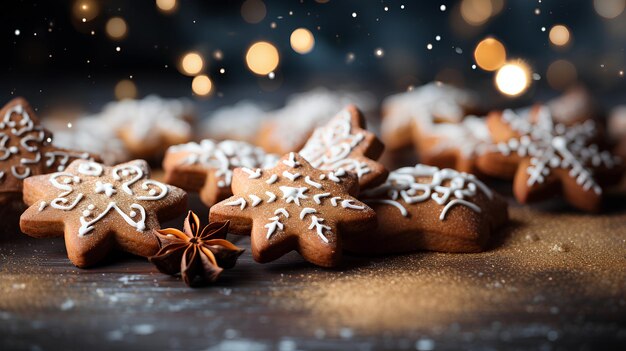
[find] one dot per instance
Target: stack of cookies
(319, 189)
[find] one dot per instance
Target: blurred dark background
(87, 52)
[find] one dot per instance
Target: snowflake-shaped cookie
(26, 148)
(207, 166)
(97, 208)
(344, 143)
(295, 206)
(427, 208)
(545, 157)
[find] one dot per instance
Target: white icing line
(292, 194)
(291, 176)
(152, 194)
(252, 174)
(271, 195)
(317, 198)
(470, 205)
(272, 179)
(42, 206)
(291, 162)
(316, 223)
(350, 204)
(255, 200)
(139, 225)
(305, 211)
(333, 200)
(239, 202)
(308, 180)
(282, 211)
(396, 204)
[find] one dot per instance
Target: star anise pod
(199, 256)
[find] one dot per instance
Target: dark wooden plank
(553, 280)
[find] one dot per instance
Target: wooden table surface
(552, 280)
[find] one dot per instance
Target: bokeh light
(85, 10)
(167, 6)
(202, 85)
(513, 78)
(561, 74)
(116, 28)
(253, 11)
(302, 41)
(490, 54)
(262, 58)
(125, 89)
(191, 63)
(559, 35)
(609, 8)
(476, 12)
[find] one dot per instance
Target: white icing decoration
(272, 179)
(316, 223)
(223, 157)
(255, 200)
(292, 194)
(554, 146)
(105, 185)
(350, 204)
(42, 205)
(305, 211)
(282, 211)
(252, 174)
(317, 197)
(271, 195)
(330, 146)
(333, 200)
(291, 162)
(308, 180)
(447, 188)
(106, 188)
(291, 176)
(241, 202)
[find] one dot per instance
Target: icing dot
(60, 168)
(132, 214)
(67, 180)
(76, 180)
(91, 207)
(322, 176)
(86, 213)
(125, 173)
(13, 149)
(152, 192)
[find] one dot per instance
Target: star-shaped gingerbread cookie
(207, 167)
(344, 143)
(295, 206)
(98, 208)
(546, 158)
(427, 208)
(26, 149)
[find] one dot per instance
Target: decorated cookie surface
(207, 167)
(344, 144)
(295, 206)
(427, 208)
(26, 148)
(97, 208)
(545, 157)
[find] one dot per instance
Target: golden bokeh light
(513, 78)
(476, 12)
(302, 41)
(253, 11)
(125, 89)
(202, 85)
(191, 63)
(559, 35)
(166, 6)
(496, 6)
(85, 10)
(561, 74)
(116, 28)
(262, 58)
(609, 8)
(490, 54)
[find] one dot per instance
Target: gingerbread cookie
(26, 149)
(207, 167)
(421, 108)
(427, 208)
(545, 158)
(98, 208)
(295, 206)
(288, 129)
(149, 126)
(344, 143)
(574, 106)
(617, 130)
(241, 121)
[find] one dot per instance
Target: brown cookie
(98, 208)
(26, 149)
(344, 143)
(546, 158)
(617, 130)
(207, 167)
(295, 206)
(422, 107)
(427, 208)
